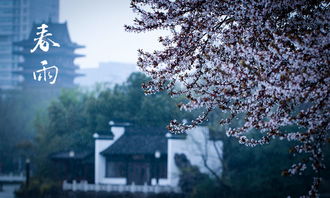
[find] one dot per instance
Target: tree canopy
(267, 61)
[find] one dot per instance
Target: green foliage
(257, 171)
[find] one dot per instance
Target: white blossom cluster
(266, 59)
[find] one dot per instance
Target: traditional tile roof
(139, 141)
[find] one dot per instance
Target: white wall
(100, 161)
(196, 146)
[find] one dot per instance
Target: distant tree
(17, 111)
(267, 61)
(126, 102)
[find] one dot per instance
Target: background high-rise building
(16, 19)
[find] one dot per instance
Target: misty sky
(98, 24)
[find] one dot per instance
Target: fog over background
(99, 25)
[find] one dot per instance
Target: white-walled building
(145, 156)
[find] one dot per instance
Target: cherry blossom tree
(266, 60)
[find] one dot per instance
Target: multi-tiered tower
(63, 57)
(16, 19)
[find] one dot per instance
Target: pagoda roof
(22, 66)
(56, 53)
(59, 31)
